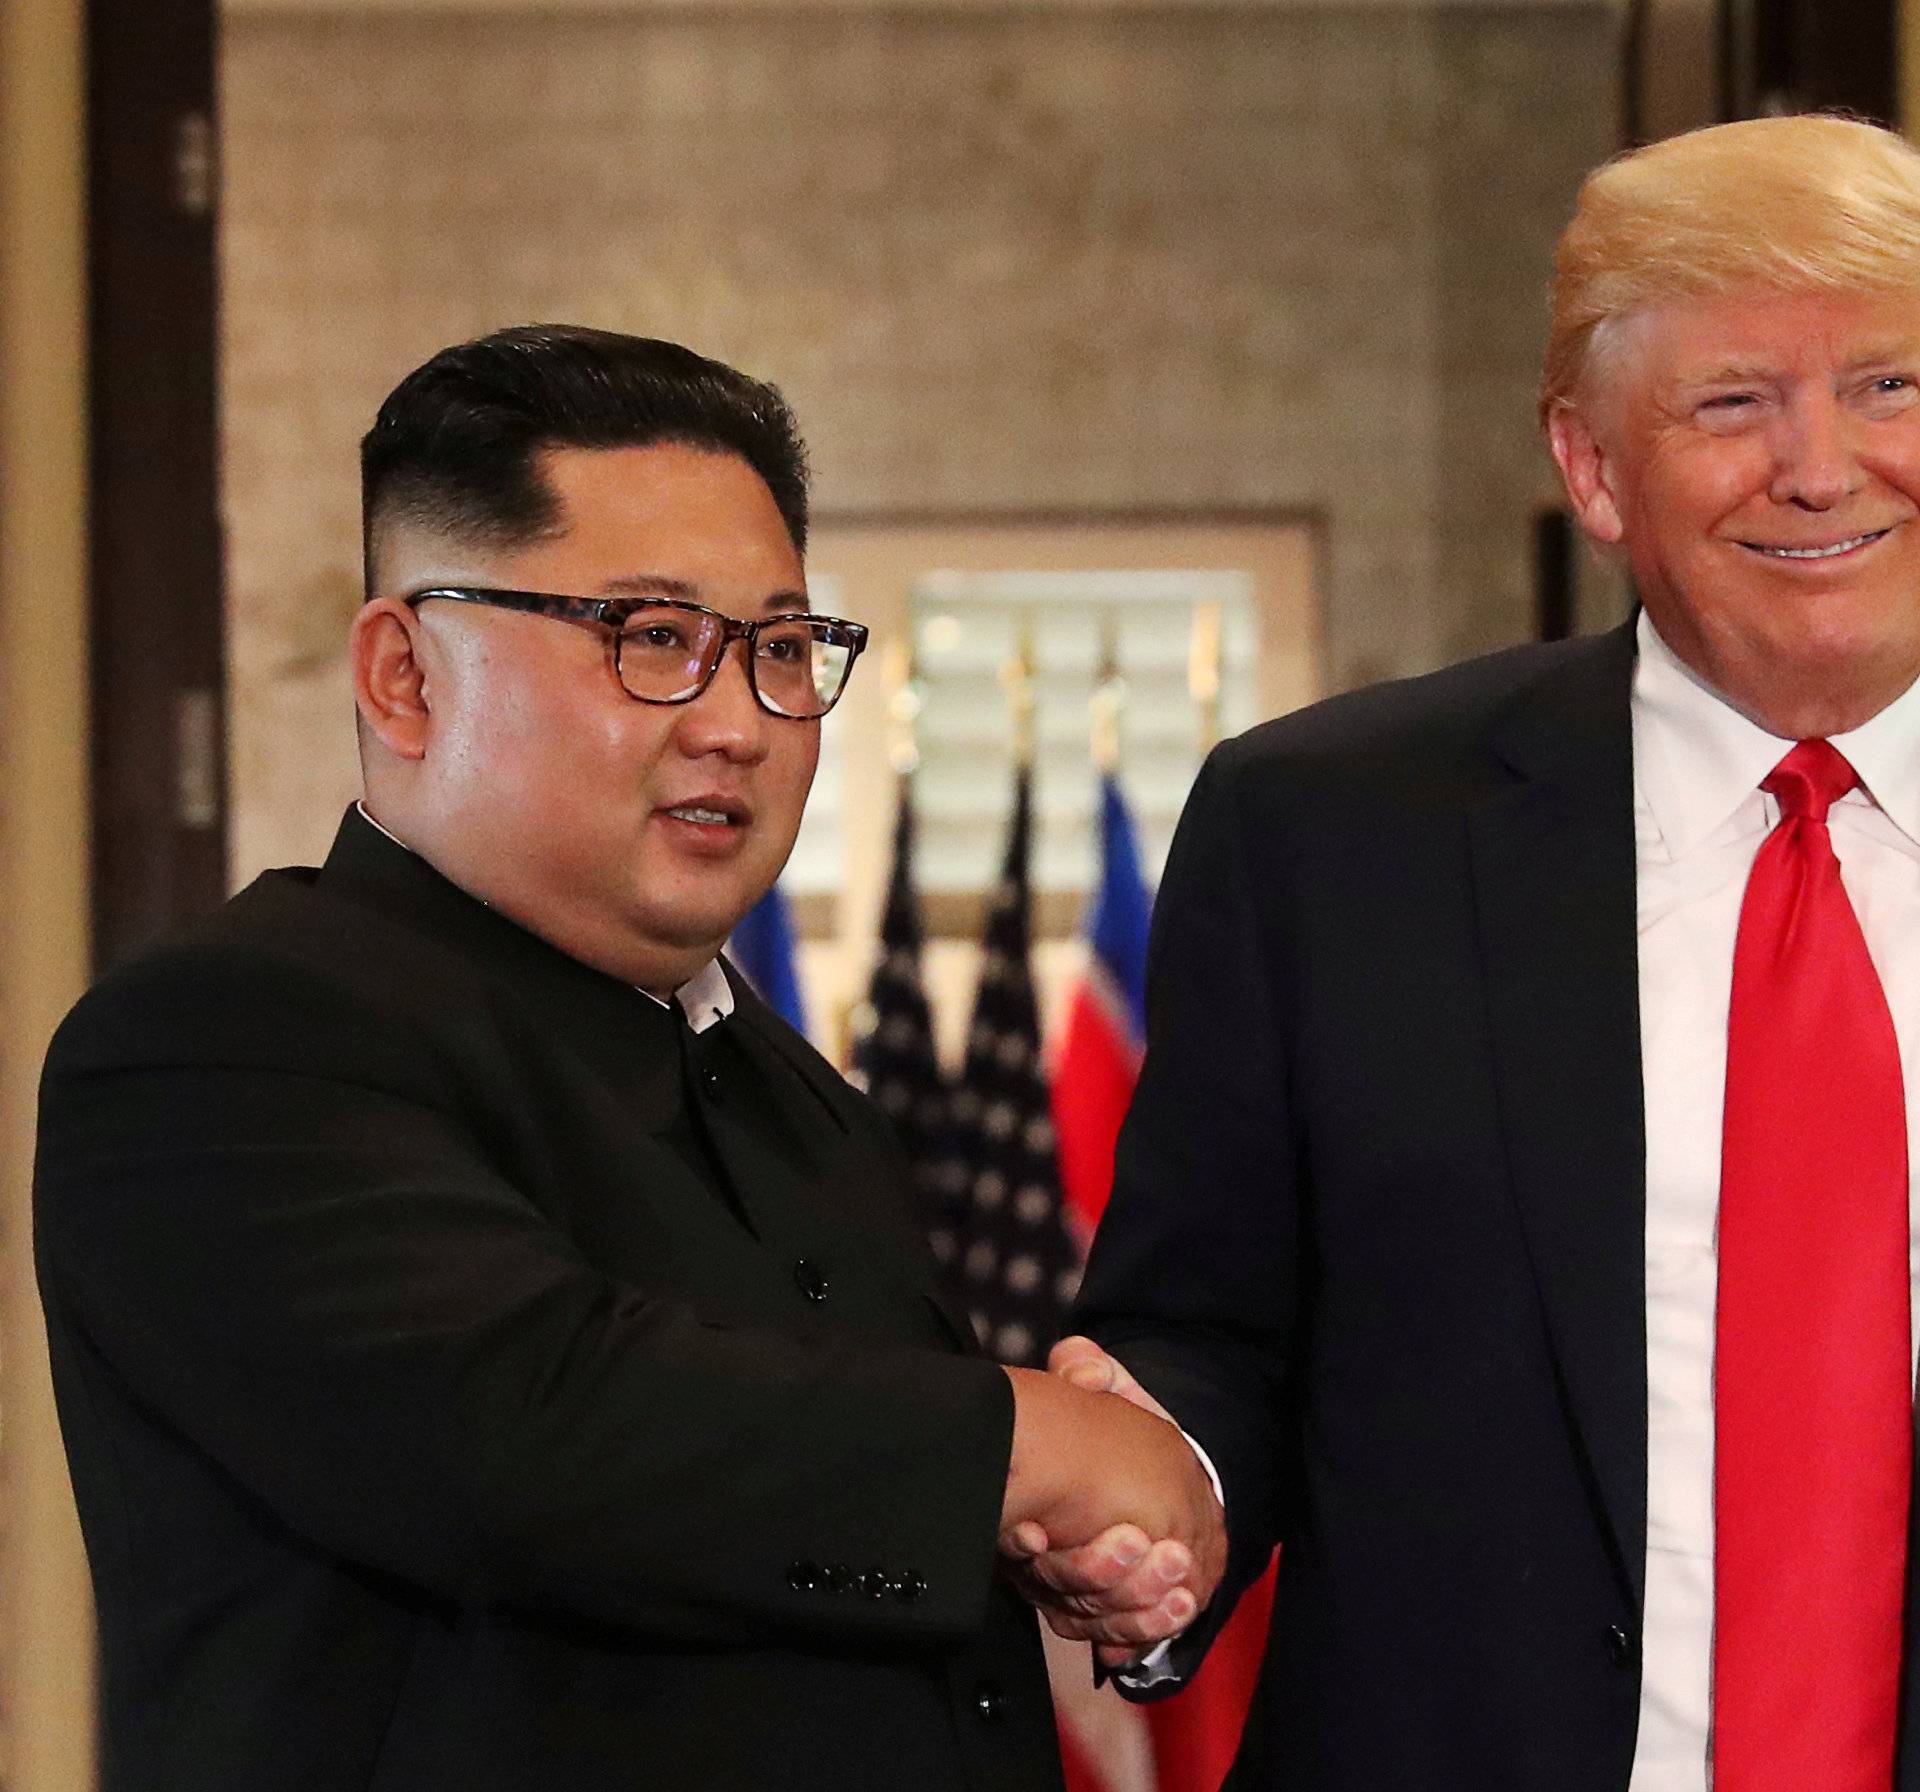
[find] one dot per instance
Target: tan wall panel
(550, 8)
(1178, 261)
(46, 1646)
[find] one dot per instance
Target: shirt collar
(1697, 759)
(705, 998)
(1885, 751)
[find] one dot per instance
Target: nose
(1816, 463)
(726, 718)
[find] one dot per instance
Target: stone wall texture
(1191, 261)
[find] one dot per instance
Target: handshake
(1110, 1524)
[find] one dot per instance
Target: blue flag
(762, 949)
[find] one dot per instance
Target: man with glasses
(493, 1350)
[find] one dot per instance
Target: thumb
(1083, 1363)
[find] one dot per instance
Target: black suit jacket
(1377, 1235)
(474, 1381)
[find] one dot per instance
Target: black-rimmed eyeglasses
(666, 651)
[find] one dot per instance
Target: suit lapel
(1554, 889)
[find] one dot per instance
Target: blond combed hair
(1816, 202)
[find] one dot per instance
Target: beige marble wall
(1160, 260)
(46, 1638)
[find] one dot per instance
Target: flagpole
(1108, 702)
(858, 1017)
(1203, 673)
(904, 703)
(1016, 677)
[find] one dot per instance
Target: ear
(1586, 472)
(389, 684)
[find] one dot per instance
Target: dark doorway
(1692, 62)
(1810, 55)
(158, 682)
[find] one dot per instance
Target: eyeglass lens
(799, 664)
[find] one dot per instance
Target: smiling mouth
(712, 818)
(1830, 552)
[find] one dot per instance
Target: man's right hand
(1109, 1521)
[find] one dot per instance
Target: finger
(1112, 1573)
(1024, 1540)
(1168, 1617)
(1167, 1567)
(1096, 1566)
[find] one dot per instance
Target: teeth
(707, 815)
(1839, 547)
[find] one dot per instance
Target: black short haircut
(456, 445)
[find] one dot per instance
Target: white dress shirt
(1699, 819)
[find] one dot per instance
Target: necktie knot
(1810, 780)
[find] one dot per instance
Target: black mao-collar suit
(474, 1380)
(1377, 1235)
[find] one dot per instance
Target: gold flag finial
(904, 703)
(1017, 678)
(1109, 700)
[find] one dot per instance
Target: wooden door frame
(46, 1631)
(157, 582)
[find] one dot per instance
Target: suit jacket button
(909, 1586)
(1620, 1645)
(875, 1582)
(805, 1577)
(810, 1279)
(710, 1082)
(839, 1578)
(989, 1702)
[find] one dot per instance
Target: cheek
(1903, 475)
(781, 788)
(534, 745)
(796, 771)
(1695, 488)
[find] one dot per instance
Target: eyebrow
(1745, 373)
(1730, 373)
(650, 584)
(1895, 348)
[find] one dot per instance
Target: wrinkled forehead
(1749, 334)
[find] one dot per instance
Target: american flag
(1105, 1745)
(895, 1059)
(762, 951)
(1017, 1264)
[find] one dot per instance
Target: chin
(691, 928)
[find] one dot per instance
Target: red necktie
(1813, 1372)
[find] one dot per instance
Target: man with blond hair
(1516, 1202)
